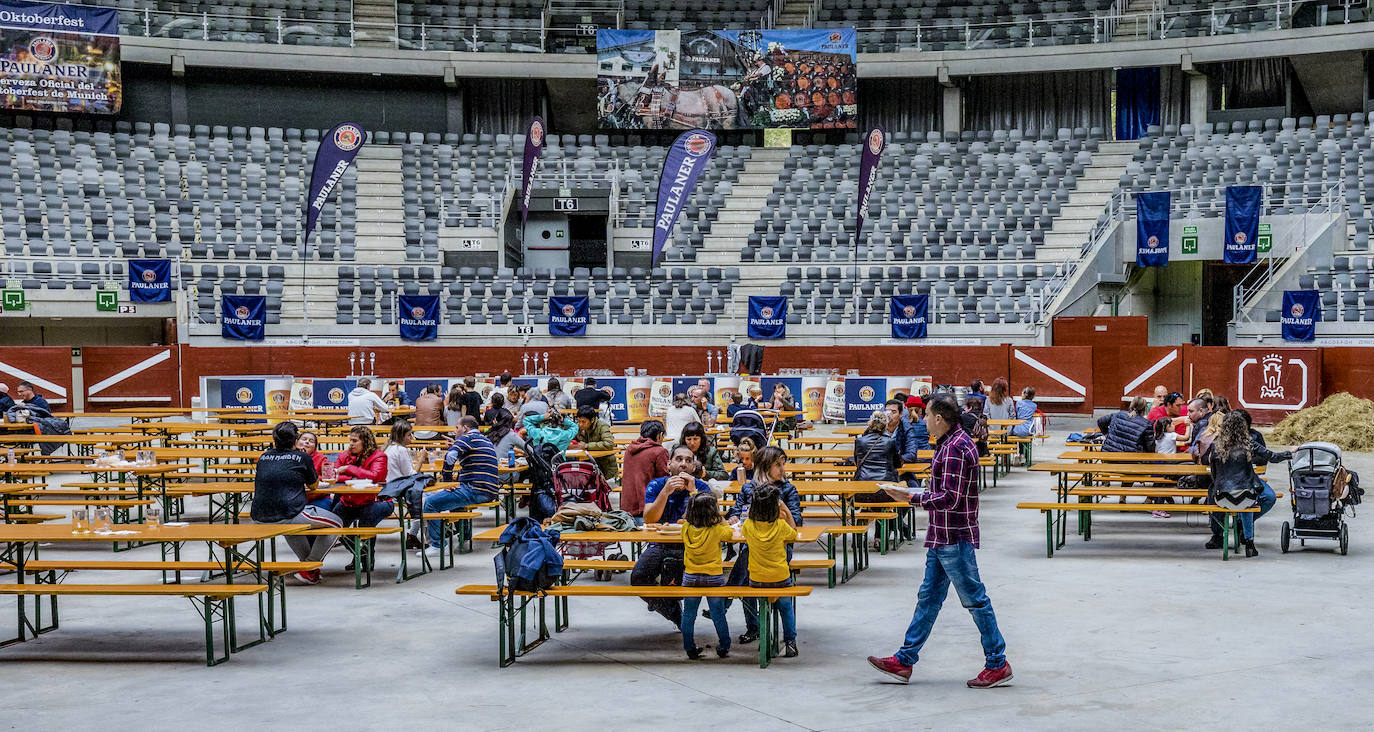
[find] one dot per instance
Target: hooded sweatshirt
(363, 405)
(645, 460)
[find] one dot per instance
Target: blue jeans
(787, 609)
(690, 605)
(1267, 500)
(945, 565)
(448, 500)
(739, 577)
(369, 515)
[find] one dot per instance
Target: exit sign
(1265, 241)
(106, 301)
(12, 299)
(1189, 240)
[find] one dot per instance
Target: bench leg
(1226, 537)
(1049, 534)
(215, 611)
(505, 631)
(765, 640)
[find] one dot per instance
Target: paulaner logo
(244, 395)
(1240, 238)
(348, 137)
(43, 49)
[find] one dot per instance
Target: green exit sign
(1265, 242)
(1189, 242)
(12, 299)
(106, 301)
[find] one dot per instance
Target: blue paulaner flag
(419, 317)
(568, 316)
(767, 317)
(150, 280)
(1301, 309)
(1242, 224)
(336, 152)
(1152, 229)
(909, 313)
(242, 317)
(869, 167)
(686, 159)
(534, 155)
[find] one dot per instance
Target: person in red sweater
(1171, 407)
(362, 461)
(645, 460)
(309, 443)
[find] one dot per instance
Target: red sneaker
(891, 668)
(309, 576)
(991, 677)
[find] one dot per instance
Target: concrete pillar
(952, 116)
(1198, 87)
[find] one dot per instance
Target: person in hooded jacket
(645, 460)
(549, 429)
(1130, 431)
(1231, 460)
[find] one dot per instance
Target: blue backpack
(529, 560)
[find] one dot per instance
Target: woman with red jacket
(362, 461)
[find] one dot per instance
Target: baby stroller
(1322, 491)
(750, 423)
(581, 481)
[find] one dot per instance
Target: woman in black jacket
(876, 457)
(1234, 453)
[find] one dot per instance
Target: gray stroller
(1322, 492)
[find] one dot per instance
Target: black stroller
(752, 424)
(1322, 491)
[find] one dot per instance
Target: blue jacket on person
(786, 491)
(918, 436)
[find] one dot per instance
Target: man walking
(952, 535)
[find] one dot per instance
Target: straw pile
(1345, 420)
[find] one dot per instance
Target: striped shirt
(951, 496)
(476, 461)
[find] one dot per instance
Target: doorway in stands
(1218, 306)
(587, 241)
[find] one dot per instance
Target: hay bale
(1343, 419)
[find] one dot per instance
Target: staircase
(1091, 193)
(381, 209)
(721, 247)
(1138, 23)
(795, 14)
(374, 23)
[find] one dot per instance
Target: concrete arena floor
(1139, 629)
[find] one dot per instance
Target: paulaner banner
(1298, 320)
(868, 174)
(419, 317)
(336, 152)
(150, 280)
(686, 159)
(1152, 229)
(1242, 224)
(242, 317)
(59, 58)
(534, 155)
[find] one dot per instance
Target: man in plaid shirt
(951, 498)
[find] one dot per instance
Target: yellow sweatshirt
(768, 549)
(701, 548)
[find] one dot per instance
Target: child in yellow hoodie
(703, 530)
(768, 531)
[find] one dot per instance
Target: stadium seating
(983, 195)
(1299, 161)
(473, 25)
(300, 22)
(694, 14)
(152, 191)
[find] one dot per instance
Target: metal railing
(475, 211)
(1115, 24)
(248, 28)
(476, 37)
(1256, 283)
